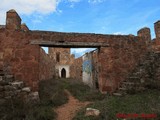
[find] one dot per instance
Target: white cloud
(27, 7)
(95, 1)
(118, 33)
(74, 0)
(80, 51)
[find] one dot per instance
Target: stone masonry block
(17, 84)
(26, 89)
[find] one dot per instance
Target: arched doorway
(63, 73)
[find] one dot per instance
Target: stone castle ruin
(119, 61)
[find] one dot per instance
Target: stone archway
(63, 73)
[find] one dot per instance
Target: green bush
(146, 102)
(83, 92)
(17, 109)
(40, 112)
(52, 93)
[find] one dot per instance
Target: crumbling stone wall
(47, 66)
(115, 61)
(11, 88)
(18, 57)
(95, 68)
(76, 69)
(156, 49)
(156, 41)
(123, 55)
(63, 60)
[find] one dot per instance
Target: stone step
(26, 89)
(18, 84)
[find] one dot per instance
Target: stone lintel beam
(68, 44)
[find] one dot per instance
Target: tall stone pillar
(157, 30)
(105, 79)
(145, 32)
(13, 21)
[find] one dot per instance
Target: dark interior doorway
(63, 73)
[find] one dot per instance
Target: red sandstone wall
(46, 65)
(76, 69)
(117, 61)
(114, 62)
(18, 57)
(95, 68)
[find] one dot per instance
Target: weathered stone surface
(24, 27)
(9, 76)
(18, 84)
(92, 112)
(26, 89)
(13, 20)
(47, 65)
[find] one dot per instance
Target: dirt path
(68, 110)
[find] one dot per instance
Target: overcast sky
(86, 16)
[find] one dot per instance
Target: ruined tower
(157, 30)
(63, 59)
(13, 21)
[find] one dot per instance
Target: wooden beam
(68, 44)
